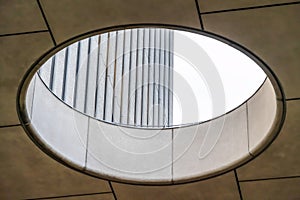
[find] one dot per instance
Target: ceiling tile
(20, 16)
(223, 187)
(215, 5)
(271, 33)
(19, 54)
(73, 17)
(282, 157)
(271, 189)
(26, 172)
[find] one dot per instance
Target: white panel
(166, 78)
(118, 77)
(110, 76)
(81, 75)
(139, 76)
(129, 153)
(210, 147)
(126, 72)
(101, 76)
(45, 71)
(171, 71)
(132, 77)
(151, 77)
(58, 75)
(145, 68)
(161, 119)
(261, 115)
(65, 132)
(71, 73)
(156, 77)
(92, 76)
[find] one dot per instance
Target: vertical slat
(118, 76)
(132, 77)
(110, 76)
(125, 77)
(156, 77)
(45, 71)
(139, 75)
(70, 73)
(161, 79)
(151, 76)
(52, 73)
(58, 74)
(101, 76)
(145, 67)
(65, 74)
(171, 71)
(81, 75)
(91, 76)
(166, 81)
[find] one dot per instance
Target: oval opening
(151, 77)
(151, 105)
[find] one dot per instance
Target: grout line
(172, 155)
(250, 8)
(23, 33)
(47, 24)
(199, 14)
(112, 190)
(72, 195)
(247, 121)
(11, 125)
(293, 99)
(87, 143)
(274, 178)
(238, 184)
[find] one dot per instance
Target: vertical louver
(123, 77)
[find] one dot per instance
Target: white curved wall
(151, 155)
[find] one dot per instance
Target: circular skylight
(151, 105)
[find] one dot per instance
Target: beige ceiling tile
(20, 16)
(222, 187)
(215, 5)
(73, 17)
(18, 53)
(271, 189)
(271, 33)
(282, 157)
(26, 172)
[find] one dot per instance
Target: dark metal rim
(31, 132)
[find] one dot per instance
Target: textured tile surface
(271, 189)
(19, 54)
(282, 157)
(127, 153)
(66, 134)
(261, 109)
(207, 148)
(214, 5)
(271, 33)
(73, 17)
(222, 187)
(20, 16)
(29, 173)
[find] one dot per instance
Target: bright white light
(239, 74)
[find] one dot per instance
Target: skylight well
(151, 105)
